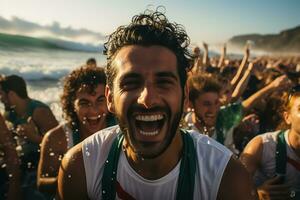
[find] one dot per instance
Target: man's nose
(148, 97)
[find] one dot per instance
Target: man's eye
(130, 84)
(165, 82)
(101, 99)
(83, 104)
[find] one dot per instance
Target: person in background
(91, 62)
(216, 121)
(85, 110)
(147, 156)
(29, 120)
(10, 185)
(273, 158)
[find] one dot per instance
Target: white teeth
(93, 118)
(148, 118)
(149, 133)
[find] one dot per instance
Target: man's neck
(200, 125)
(294, 140)
(160, 166)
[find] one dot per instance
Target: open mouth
(93, 121)
(149, 125)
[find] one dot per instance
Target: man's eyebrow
(167, 75)
(130, 75)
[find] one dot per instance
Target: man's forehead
(140, 57)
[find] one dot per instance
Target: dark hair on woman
(147, 29)
(84, 78)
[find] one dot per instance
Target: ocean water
(43, 71)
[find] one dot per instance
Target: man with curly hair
(147, 156)
(85, 110)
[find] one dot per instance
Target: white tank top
(268, 162)
(212, 159)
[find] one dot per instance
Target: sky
(213, 21)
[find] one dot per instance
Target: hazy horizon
(213, 21)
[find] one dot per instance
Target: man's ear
(109, 99)
(286, 117)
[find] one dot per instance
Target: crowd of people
(159, 122)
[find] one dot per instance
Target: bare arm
(236, 183)
(279, 83)
(241, 68)
(242, 84)
(206, 61)
(53, 147)
(71, 177)
(44, 119)
(222, 57)
(12, 162)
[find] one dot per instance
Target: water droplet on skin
(87, 153)
(60, 157)
(69, 176)
(51, 154)
(10, 175)
(103, 192)
(29, 165)
(292, 194)
(114, 172)
(106, 161)
(46, 175)
(3, 166)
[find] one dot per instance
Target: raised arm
(279, 83)
(71, 176)
(242, 84)
(206, 61)
(242, 67)
(222, 57)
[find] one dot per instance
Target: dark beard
(174, 124)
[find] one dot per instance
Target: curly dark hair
(147, 29)
(88, 77)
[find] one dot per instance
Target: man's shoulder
(55, 134)
(101, 138)
(204, 143)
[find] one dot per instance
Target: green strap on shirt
(280, 157)
(186, 180)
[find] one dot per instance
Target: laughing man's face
(91, 109)
(146, 97)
